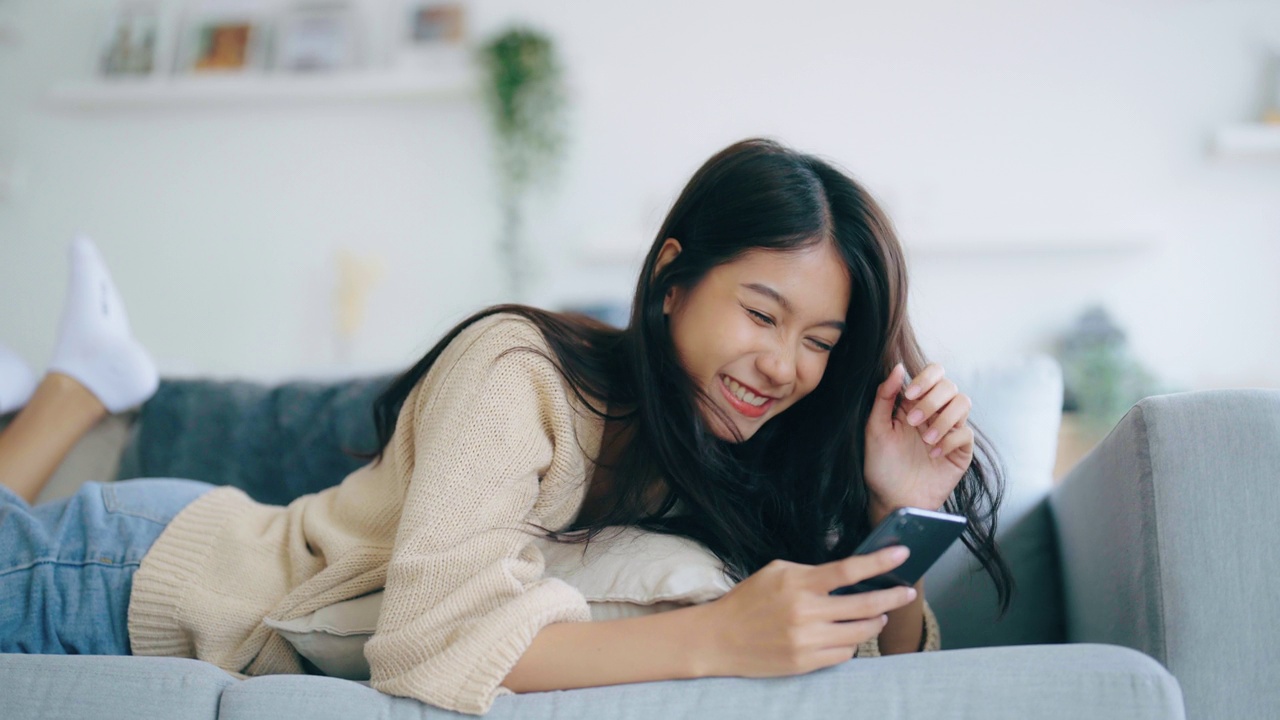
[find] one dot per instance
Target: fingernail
(915, 416)
(911, 593)
(912, 392)
(899, 553)
(930, 436)
(935, 452)
(884, 619)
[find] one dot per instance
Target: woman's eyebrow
(786, 304)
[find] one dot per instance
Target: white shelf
(258, 89)
(1255, 139)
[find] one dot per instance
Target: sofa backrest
(275, 442)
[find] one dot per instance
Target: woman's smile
(743, 399)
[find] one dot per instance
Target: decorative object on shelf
(356, 278)
(223, 37)
(317, 37)
(1271, 113)
(526, 99)
(433, 35)
(1101, 381)
(129, 45)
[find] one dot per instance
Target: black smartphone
(926, 533)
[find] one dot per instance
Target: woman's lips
(745, 408)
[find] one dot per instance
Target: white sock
(95, 345)
(17, 382)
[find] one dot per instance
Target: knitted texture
(930, 636)
(484, 442)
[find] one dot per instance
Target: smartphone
(926, 533)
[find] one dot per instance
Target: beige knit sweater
(486, 440)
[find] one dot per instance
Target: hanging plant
(526, 100)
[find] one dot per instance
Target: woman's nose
(778, 365)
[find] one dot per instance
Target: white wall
(996, 121)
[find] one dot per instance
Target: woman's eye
(761, 316)
(825, 347)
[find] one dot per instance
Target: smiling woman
(757, 333)
(751, 404)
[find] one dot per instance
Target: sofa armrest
(1170, 544)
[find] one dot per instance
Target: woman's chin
(720, 431)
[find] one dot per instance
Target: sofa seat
(1042, 681)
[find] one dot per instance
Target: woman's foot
(95, 344)
(17, 382)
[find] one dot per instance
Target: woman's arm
(670, 645)
(904, 633)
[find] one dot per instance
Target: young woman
(752, 404)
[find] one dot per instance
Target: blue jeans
(66, 566)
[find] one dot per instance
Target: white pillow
(626, 571)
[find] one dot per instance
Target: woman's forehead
(812, 280)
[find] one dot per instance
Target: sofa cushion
(101, 686)
(1067, 682)
(1017, 404)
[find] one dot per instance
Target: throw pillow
(625, 572)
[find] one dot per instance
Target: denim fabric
(66, 567)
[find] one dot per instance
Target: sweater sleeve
(930, 638)
(465, 593)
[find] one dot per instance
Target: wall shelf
(1247, 140)
(260, 89)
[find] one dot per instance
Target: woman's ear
(669, 251)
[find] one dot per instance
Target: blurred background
(319, 189)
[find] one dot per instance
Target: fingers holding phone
(783, 620)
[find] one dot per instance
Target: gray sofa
(1145, 577)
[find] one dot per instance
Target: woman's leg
(97, 367)
(35, 443)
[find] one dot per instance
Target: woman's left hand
(916, 455)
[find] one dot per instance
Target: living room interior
(1088, 195)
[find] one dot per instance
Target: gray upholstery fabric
(1170, 545)
(275, 442)
(102, 687)
(1070, 682)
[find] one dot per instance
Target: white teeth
(742, 393)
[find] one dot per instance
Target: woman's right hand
(782, 620)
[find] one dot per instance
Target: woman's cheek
(811, 371)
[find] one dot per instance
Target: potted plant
(525, 97)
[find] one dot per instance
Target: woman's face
(756, 333)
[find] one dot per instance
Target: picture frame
(432, 35)
(130, 42)
(223, 38)
(435, 22)
(317, 37)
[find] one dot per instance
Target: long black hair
(794, 490)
